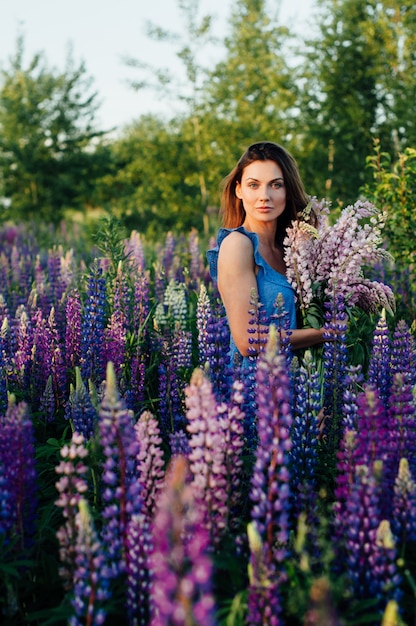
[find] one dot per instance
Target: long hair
(232, 210)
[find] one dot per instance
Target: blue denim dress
(270, 284)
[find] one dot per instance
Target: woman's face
(262, 191)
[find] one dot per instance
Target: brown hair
(232, 210)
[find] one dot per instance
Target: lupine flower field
(145, 481)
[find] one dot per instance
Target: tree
(352, 92)
(186, 90)
(154, 187)
(48, 159)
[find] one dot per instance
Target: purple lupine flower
(207, 455)
(134, 251)
(57, 287)
(213, 344)
(270, 490)
(353, 382)
(334, 367)
(401, 426)
(3, 379)
(24, 345)
(47, 404)
(379, 369)
(139, 546)
(42, 355)
(362, 519)
(117, 326)
(73, 329)
(141, 306)
(80, 409)
(71, 486)
(373, 428)
(403, 352)
(150, 463)
(181, 592)
(135, 395)
(385, 580)
(179, 444)
(58, 370)
(17, 455)
(404, 505)
(91, 586)
(121, 488)
(231, 418)
(345, 477)
(93, 322)
(305, 436)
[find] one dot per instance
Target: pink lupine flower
(328, 261)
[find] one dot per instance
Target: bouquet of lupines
(325, 262)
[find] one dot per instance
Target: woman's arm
(236, 281)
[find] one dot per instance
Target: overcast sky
(103, 32)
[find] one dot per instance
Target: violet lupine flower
(141, 306)
(373, 428)
(71, 486)
(24, 346)
(58, 371)
(93, 322)
(179, 444)
(3, 380)
(213, 344)
(80, 410)
(403, 520)
(401, 426)
(207, 456)
(345, 477)
(134, 250)
(117, 326)
(139, 546)
(150, 463)
(42, 354)
(403, 352)
(135, 395)
(379, 369)
(47, 405)
(17, 455)
(353, 383)
(370, 555)
(305, 436)
(57, 287)
(362, 518)
(181, 592)
(385, 580)
(232, 417)
(270, 489)
(121, 488)
(73, 329)
(91, 586)
(334, 367)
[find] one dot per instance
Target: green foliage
(358, 80)
(47, 157)
(393, 189)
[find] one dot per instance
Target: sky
(102, 33)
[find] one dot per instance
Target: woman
(262, 195)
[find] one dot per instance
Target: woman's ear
(238, 189)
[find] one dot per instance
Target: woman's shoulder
(230, 241)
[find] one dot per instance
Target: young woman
(262, 195)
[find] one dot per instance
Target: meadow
(145, 480)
